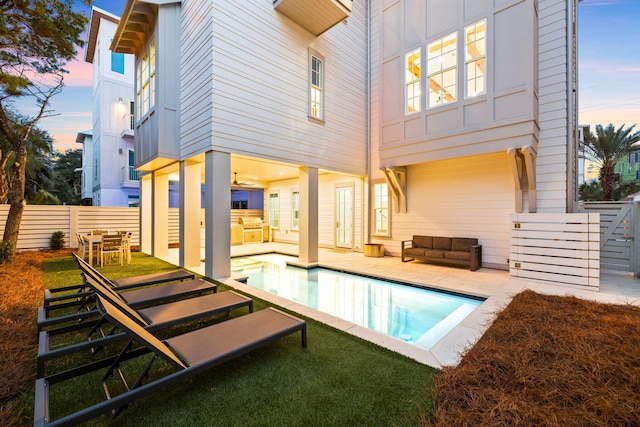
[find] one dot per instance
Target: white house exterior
(108, 160)
(365, 121)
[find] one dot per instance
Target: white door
(344, 216)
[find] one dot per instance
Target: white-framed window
(412, 82)
(381, 210)
(442, 70)
(274, 209)
(132, 117)
(475, 51)
(145, 81)
(295, 210)
(316, 85)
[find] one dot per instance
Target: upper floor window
(412, 82)
(475, 39)
(117, 62)
(145, 81)
(442, 70)
(316, 86)
(381, 208)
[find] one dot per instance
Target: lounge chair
(190, 354)
(152, 318)
(117, 284)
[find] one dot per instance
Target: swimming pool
(415, 315)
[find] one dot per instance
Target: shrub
(7, 251)
(56, 241)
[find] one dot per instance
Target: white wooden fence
(40, 221)
(560, 249)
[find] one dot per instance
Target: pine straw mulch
(548, 361)
(21, 292)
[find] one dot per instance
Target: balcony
(129, 177)
(315, 16)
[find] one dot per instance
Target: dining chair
(111, 244)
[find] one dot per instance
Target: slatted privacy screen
(561, 249)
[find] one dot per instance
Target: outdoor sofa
(463, 251)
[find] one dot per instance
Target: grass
(338, 380)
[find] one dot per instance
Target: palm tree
(605, 148)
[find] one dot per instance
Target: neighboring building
(108, 159)
(363, 121)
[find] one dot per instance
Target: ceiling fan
(240, 184)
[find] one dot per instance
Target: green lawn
(339, 380)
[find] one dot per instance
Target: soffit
(136, 24)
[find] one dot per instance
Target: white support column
(189, 214)
(146, 218)
(308, 244)
(217, 202)
(160, 214)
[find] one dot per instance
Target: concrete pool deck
(495, 285)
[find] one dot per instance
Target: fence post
(73, 226)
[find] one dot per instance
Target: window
(634, 157)
(133, 201)
(441, 70)
(412, 82)
(316, 86)
(475, 41)
(274, 210)
(295, 210)
(132, 118)
(381, 208)
(145, 81)
(117, 62)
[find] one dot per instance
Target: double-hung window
(475, 40)
(442, 70)
(316, 85)
(381, 208)
(412, 82)
(274, 210)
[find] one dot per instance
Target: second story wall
(457, 78)
(245, 84)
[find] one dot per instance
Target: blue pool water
(418, 316)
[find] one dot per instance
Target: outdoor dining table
(96, 239)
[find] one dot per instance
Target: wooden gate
(618, 234)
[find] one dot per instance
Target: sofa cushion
(411, 252)
(422, 242)
(463, 244)
(458, 255)
(434, 253)
(443, 243)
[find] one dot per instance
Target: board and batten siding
(251, 95)
(501, 118)
(553, 117)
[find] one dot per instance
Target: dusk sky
(609, 65)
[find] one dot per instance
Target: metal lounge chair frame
(190, 354)
(134, 297)
(117, 284)
(152, 318)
